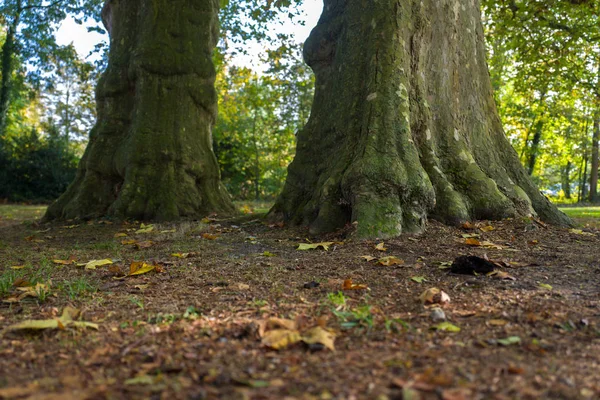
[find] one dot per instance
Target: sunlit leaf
(545, 286)
(580, 232)
(348, 285)
(512, 340)
(139, 268)
(17, 267)
(389, 261)
(418, 279)
(145, 229)
(120, 235)
(314, 246)
(502, 275)
(128, 242)
(66, 320)
(93, 264)
(488, 228)
(318, 335)
(280, 338)
(268, 254)
(446, 327)
(381, 247)
(144, 245)
(210, 236)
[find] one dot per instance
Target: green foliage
(35, 169)
(254, 137)
(544, 59)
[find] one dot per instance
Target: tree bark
(150, 154)
(404, 124)
(595, 161)
(566, 181)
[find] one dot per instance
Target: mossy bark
(150, 154)
(404, 124)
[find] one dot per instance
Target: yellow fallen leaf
(368, 258)
(169, 231)
(93, 264)
(580, 232)
(446, 327)
(180, 255)
(65, 320)
(63, 262)
(545, 286)
(497, 322)
(69, 227)
(139, 268)
(381, 247)
(488, 228)
(314, 246)
(210, 236)
(145, 229)
(17, 267)
(120, 235)
(280, 338)
(318, 335)
(389, 261)
(128, 242)
(502, 275)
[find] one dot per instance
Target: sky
(84, 41)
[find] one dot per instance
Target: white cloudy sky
(85, 41)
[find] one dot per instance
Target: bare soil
(192, 330)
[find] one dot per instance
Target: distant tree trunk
(595, 161)
(531, 148)
(150, 154)
(8, 65)
(566, 181)
(534, 147)
(404, 124)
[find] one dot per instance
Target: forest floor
(201, 312)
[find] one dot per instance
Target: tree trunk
(150, 154)
(566, 181)
(8, 64)
(534, 147)
(404, 124)
(595, 161)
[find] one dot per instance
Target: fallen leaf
(144, 245)
(314, 246)
(142, 287)
(128, 242)
(17, 267)
(580, 232)
(66, 320)
(497, 322)
(210, 236)
(93, 264)
(472, 242)
(418, 279)
(145, 229)
(280, 338)
(389, 261)
(545, 286)
(169, 231)
(243, 286)
(502, 275)
(446, 327)
(140, 380)
(488, 228)
(381, 247)
(470, 235)
(468, 225)
(69, 226)
(368, 258)
(348, 285)
(139, 268)
(120, 235)
(318, 335)
(64, 262)
(268, 254)
(180, 255)
(434, 296)
(509, 341)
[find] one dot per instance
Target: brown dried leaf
(348, 285)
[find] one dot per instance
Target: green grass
(18, 212)
(584, 216)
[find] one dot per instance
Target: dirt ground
(195, 327)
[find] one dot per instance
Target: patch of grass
(78, 287)
(584, 216)
(7, 279)
(110, 245)
(17, 212)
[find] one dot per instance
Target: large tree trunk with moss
(404, 124)
(150, 153)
